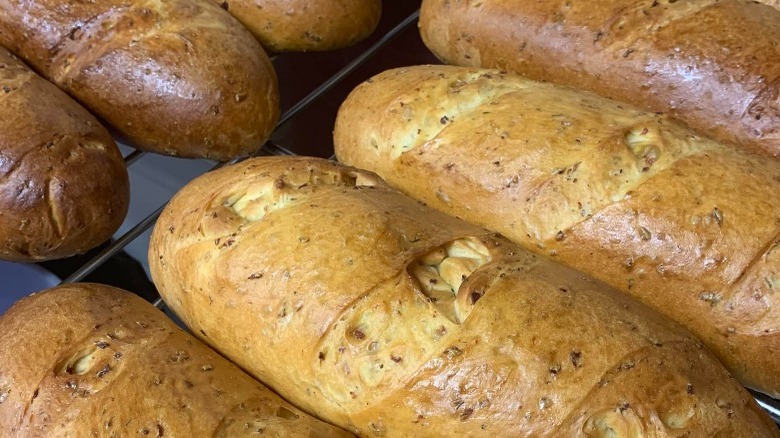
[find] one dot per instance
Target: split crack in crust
(441, 273)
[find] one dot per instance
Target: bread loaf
(391, 319)
(63, 184)
(303, 25)
(88, 360)
(178, 77)
(711, 63)
(689, 226)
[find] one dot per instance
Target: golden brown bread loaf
(303, 25)
(88, 360)
(63, 184)
(689, 226)
(711, 63)
(393, 320)
(179, 77)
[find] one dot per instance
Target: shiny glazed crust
(306, 25)
(388, 318)
(178, 77)
(90, 360)
(63, 184)
(689, 226)
(711, 63)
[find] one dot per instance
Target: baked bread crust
(63, 184)
(391, 319)
(178, 77)
(87, 360)
(306, 25)
(711, 63)
(689, 226)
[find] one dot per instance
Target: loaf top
(63, 184)
(306, 25)
(393, 319)
(90, 360)
(711, 63)
(689, 225)
(180, 77)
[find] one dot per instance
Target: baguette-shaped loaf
(63, 184)
(711, 63)
(88, 360)
(391, 319)
(689, 226)
(306, 25)
(179, 77)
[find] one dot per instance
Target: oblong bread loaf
(689, 226)
(63, 184)
(711, 63)
(306, 25)
(388, 318)
(88, 360)
(178, 77)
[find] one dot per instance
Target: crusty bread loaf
(88, 360)
(303, 25)
(689, 226)
(179, 77)
(711, 63)
(63, 184)
(393, 320)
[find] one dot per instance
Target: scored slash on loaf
(383, 316)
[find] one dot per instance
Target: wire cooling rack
(356, 61)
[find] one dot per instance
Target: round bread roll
(88, 360)
(306, 25)
(63, 184)
(178, 77)
(391, 319)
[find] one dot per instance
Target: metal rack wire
(769, 404)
